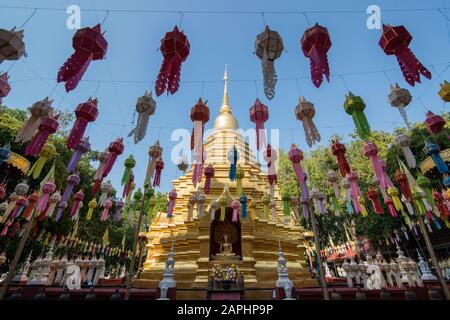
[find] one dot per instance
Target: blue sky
(133, 62)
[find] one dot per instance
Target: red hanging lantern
(395, 41)
(175, 49)
(115, 149)
(46, 128)
(315, 44)
(338, 150)
(401, 178)
(439, 201)
(259, 113)
(85, 113)
(199, 115)
(89, 45)
(372, 194)
(434, 123)
(5, 88)
(159, 165)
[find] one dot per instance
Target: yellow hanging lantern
(92, 205)
(47, 153)
(444, 92)
(239, 176)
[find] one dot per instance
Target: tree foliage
(11, 121)
(320, 160)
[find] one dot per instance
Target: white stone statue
(168, 280)
(374, 280)
(91, 269)
(424, 268)
(100, 270)
(22, 274)
(283, 276)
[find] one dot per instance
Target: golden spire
(225, 120)
(225, 108)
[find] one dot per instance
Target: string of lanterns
(90, 44)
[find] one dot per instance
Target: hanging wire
(344, 82)
(11, 66)
(264, 20)
(181, 18)
(106, 16)
(29, 18)
(225, 12)
(297, 81)
(134, 81)
(388, 77)
(306, 18)
(53, 90)
(96, 89)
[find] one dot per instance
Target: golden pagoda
(251, 243)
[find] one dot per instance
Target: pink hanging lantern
(48, 188)
(271, 156)
(315, 44)
(296, 156)
(172, 197)
(259, 113)
(83, 147)
(200, 116)
(235, 205)
(46, 128)
(5, 88)
(370, 150)
(85, 112)
(105, 212)
(209, 174)
(395, 41)
(77, 204)
(89, 45)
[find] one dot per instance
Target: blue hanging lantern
(432, 150)
(233, 157)
(4, 153)
(447, 181)
(243, 200)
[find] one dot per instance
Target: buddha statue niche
(225, 246)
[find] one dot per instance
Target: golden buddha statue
(225, 246)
